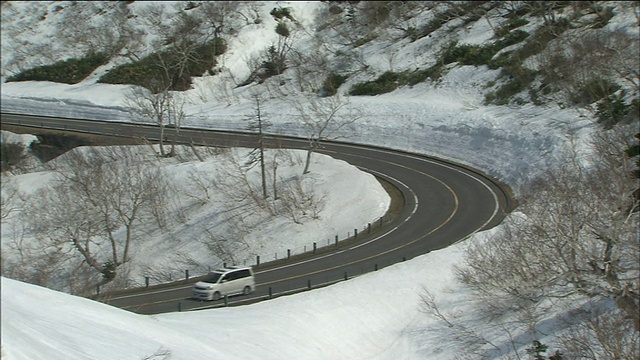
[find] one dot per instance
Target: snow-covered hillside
(444, 118)
(375, 316)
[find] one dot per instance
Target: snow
(358, 319)
(373, 316)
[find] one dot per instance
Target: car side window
(231, 276)
(243, 273)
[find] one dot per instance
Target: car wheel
(246, 290)
(216, 296)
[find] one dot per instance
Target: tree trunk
(308, 161)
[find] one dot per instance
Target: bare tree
(310, 67)
(186, 37)
(109, 33)
(220, 16)
(226, 245)
(19, 40)
(178, 40)
(234, 182)
(602, 332)
(457, 330)
(22, 259)
(127, 38)
(95, 206)
(323, 119)
(160, 354)
(163, 108)
(249, 11)
(576, 238)
(11, 198)
(587, 65)
(77, 32)
(300, 200)
(274, 60)
(258, 124)
(204, 186)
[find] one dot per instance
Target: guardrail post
(186, 274)
(309, 284)
(146, 281)
(380, 221)
(257, 260)
(375, 267)
(336, 240)
(288, 253)
(179, 306)
(369, 227)
(315, 246)
(270, 292)
(355, 233)
(345, 276)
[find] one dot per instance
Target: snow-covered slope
(375, 316)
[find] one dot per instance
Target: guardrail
(282, 257)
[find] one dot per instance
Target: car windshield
(212, 278)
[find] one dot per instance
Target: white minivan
(225, 282)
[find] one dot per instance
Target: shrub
(482, 55)
(331, 84)
(419, 76)
(511, 38)
(141, 73)
(519, 78)
(387, 82)
(504, 60)
(469, 54)
(390, 81)
(281, 12)
(536, 99)
(539, 40)
(335, 9)
(604, 15)
(375, 13)
(363, 40)
(204, 57)
(148, 70)
(282, 29)
(612, 109)
(70, 71)
(109, 270)
(510, 25)
(490, 98)
(275, 63)
(466, 11)
(434, 24)
(412, 33)
(12, 155)
(594, 90)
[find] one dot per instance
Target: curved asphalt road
(442, 203)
